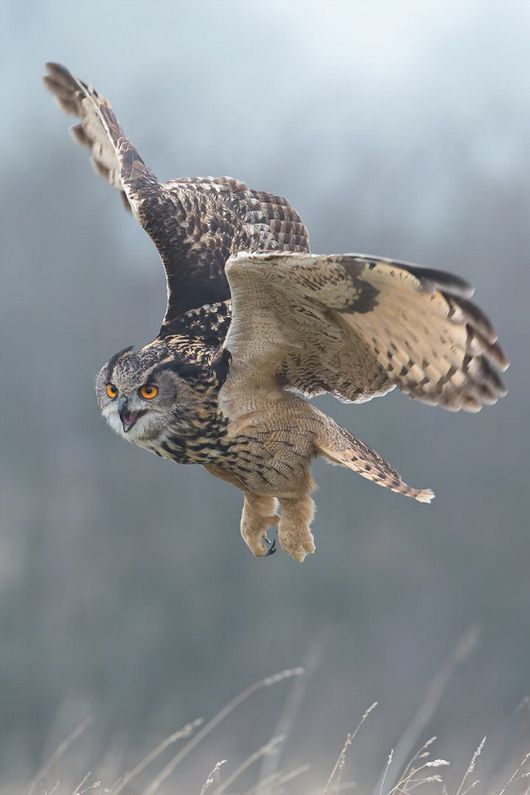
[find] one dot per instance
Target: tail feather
(340, 447)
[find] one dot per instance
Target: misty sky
(396, 128)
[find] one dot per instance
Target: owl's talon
(272, 546)
(258, 515)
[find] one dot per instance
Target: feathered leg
(258, 515)
(294, 532)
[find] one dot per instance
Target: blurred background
(126, 593)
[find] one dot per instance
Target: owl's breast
(208, 443)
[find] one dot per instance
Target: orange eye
(148, 391)
(111, 391)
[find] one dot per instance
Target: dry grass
(423, 773)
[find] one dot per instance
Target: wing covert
(357, 326)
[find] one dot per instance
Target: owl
(255, 325)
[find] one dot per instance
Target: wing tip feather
(63, 86)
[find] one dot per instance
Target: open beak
(128, 418)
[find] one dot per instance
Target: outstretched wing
(357, 326)
(74, 98)
(195, 223)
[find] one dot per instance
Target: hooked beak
(128, 418)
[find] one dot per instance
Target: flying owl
(255, 325)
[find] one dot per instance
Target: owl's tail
(339, 446)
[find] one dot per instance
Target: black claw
(272, 546)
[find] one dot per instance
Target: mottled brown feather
(356, 326)
(195, 222)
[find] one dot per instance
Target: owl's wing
(357, 326)
(195, 223)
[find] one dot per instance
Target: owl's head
(145, 394)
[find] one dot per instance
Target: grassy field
(267, 771)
